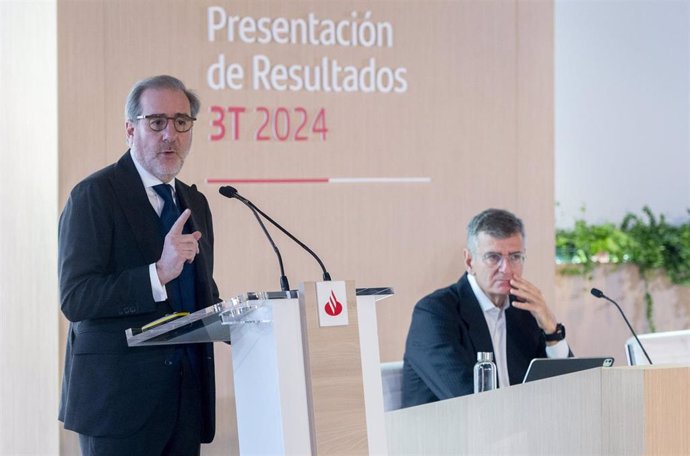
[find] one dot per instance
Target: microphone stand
(284, 285)
(600, 294)
(231, 192)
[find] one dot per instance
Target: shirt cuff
(558, 350)
(159, 292)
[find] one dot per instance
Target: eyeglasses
(158, 122)
(494, 259)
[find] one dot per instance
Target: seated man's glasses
(494, 259)
(158, 122)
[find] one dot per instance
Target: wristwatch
(557, 335)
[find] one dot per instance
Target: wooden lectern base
(641, 410)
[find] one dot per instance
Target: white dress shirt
(496, 321)
(149, 180)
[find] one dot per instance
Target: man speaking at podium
(136, 244)
(476, 314)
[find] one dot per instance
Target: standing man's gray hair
(497, 223)
(133, 103)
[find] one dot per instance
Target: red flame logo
(333, 306)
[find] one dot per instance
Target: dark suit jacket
(108, 236)
(447, 330)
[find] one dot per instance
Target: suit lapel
(473, 317)
(187, 198)
(141, 217)
(519, 348)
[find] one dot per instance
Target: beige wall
(29, 347)
(595, 327)
(477, 119)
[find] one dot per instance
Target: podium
(300, 388)
(604, 411)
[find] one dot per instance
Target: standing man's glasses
(158, 122)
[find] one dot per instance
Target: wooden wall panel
(535, 140)
(476, 119)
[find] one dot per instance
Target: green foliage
(649, 244)
(585, 245)
(658, 245)
(647, 241)
(649, 308)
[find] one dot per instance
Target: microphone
(600, 294)
(231, 192)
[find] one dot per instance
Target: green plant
(648, 242)
(658, 245)
(585, 245)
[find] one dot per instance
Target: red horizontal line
(316, 180)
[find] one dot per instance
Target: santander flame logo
(333, 307)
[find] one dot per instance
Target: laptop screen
(541, 368)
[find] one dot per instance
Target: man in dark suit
(136, 244)
(451, 325)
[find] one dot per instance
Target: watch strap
(557, 335)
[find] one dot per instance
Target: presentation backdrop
(371, 130)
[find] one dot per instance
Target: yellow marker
(164, 319)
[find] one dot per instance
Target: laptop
(541, 368)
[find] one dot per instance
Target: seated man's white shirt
(496, 321)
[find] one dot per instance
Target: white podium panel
(270, 393)
(300, 388)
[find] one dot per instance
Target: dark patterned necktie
(180, 290)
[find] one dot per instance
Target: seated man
(492, 308)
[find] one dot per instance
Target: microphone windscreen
(597, 293)
(228, 191)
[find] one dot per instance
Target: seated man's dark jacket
(108, 235)
(448, 329)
